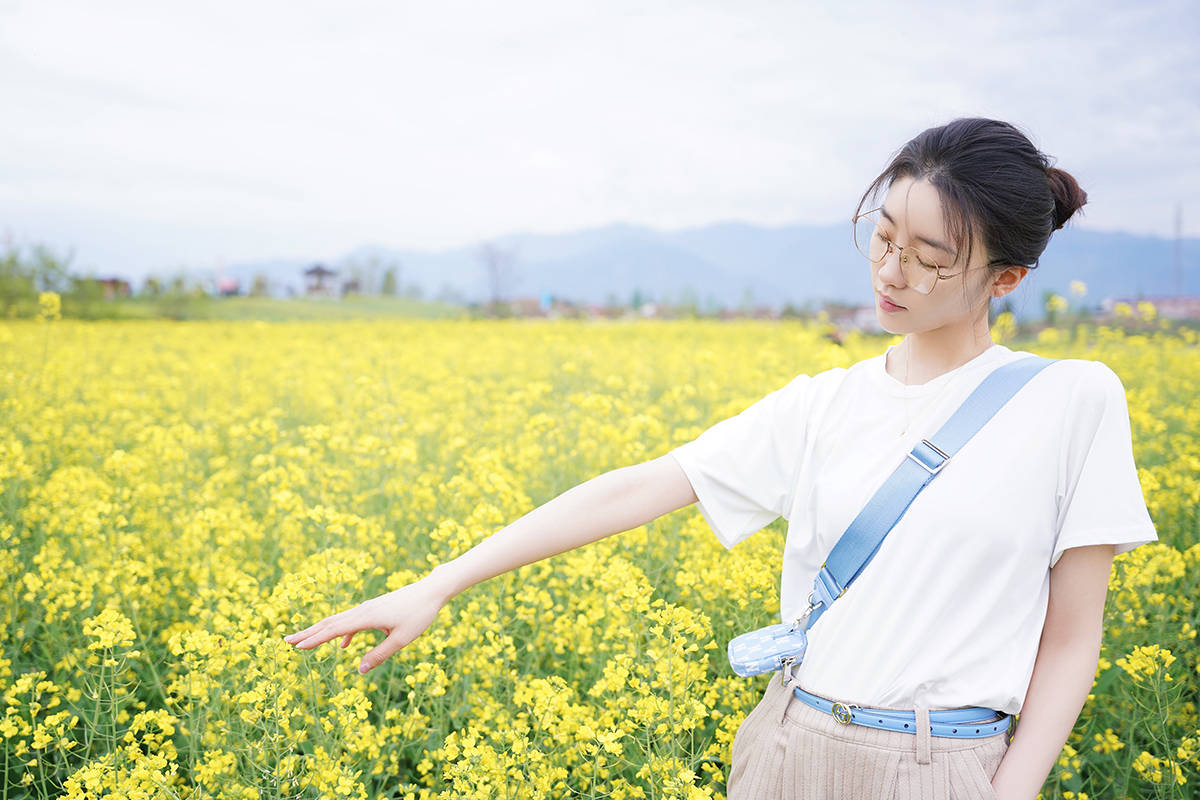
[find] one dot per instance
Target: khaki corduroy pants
(787, 750)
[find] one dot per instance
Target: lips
(883, 296)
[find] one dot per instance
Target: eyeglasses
(920, 272)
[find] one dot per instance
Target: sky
(145, 137)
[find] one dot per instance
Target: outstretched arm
(1063, 671)
(616, 501)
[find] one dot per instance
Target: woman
(988, 594)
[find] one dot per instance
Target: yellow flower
(1004, 327)
(1056, 302)
(1145, 661)
(1150, 768)
(109, 629)
(226, 502)
(49, 306)
(1108, 742)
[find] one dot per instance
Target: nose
(889, 269)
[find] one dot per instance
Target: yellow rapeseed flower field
(174, 497)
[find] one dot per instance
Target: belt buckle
(841, 712)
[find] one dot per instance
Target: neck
(923, 356)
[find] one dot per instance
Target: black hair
(988, 175)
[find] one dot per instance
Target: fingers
(380, 653)
(322, 632)
(310, 636)
(315, 635)
(292, 638)
(312, 640)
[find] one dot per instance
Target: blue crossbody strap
(858, 545)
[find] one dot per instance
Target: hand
(402, 615)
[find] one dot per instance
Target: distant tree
(368, 274)
(390, 281)
(152, 286)
(17, 281)
(52, 273)
(371, 270)
(259, 287)
(688, 304)
(498, 270)
(85, 296)
(637, 300)
(748, 300)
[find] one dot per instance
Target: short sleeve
(1100, 499)
(743, 469)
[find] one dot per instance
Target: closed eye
(916, 254)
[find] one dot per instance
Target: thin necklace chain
(907, 359)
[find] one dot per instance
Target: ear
(1005, 281)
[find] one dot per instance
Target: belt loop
(924, 736)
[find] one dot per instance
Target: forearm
(1063, 673)
(610, 503)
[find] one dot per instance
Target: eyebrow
(930, 242)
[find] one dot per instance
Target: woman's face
(914, 217)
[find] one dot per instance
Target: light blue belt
(973, 722)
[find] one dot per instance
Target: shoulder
(1085, 396)
(816, 383)
(1082, 380)
(1074, 380)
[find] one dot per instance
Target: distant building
(757, 312)
(114, 287)
(526, 307)
(315, 280)
(861, 318)
(597, 311)
(228, 286)
(546, 306)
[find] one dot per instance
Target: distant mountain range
(729, 264)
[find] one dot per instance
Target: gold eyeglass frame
(891, 247)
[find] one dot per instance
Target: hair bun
(1068, 197)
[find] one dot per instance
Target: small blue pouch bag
(767, 649)
(782, 645)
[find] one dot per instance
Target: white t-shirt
(951, 607)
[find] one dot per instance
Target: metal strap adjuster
(934, 448)
(787, 676)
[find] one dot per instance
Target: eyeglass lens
(869, 240)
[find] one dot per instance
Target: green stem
(95, 726)
(158, 682)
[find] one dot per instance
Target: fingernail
(362, 668)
